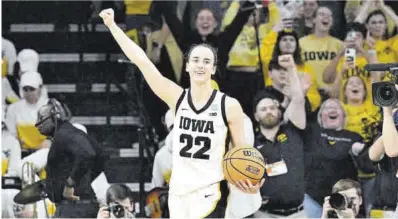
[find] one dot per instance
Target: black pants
(77, 209)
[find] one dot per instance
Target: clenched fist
(107, 16)
(286, 61)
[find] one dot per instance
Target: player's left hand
(69, 193)
(248, 187)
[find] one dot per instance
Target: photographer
(345, 200)
(386, 182)
(390, 134)
(119, 200)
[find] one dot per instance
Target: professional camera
(384, 93)
(339, 201)
(116, 209)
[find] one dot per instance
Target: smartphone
(349, 55)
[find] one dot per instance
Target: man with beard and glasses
(71, 164)
(331, 154)
(280, 143)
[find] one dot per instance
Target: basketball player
(204, 117)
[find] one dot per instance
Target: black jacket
(72, 154)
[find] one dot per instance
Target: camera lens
(337, 201)
(386, 93)
(117, 210)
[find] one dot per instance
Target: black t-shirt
(287, 190)
(327, 159)
(386, 183)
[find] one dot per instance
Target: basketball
(242, 164)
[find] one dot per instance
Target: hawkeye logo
(281, 138)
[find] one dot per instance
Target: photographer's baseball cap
(31, 79)
(28, 60)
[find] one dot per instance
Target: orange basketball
(242, 164)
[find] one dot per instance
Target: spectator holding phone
(352, 84)
(354, 56)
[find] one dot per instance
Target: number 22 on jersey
(203, 143)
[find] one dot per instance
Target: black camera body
(339, 201)
(116, 209)
(384, 93)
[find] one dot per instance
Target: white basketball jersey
(199, 143)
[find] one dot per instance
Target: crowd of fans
(339, 149)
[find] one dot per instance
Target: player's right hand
(108, 16)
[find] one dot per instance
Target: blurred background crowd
(61, 49)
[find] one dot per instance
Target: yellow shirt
(138, 7)
(359, 70)
(387, 50)
(21, 118)
(266, 50)
(318, 53)
(244, 51)
(359, 117)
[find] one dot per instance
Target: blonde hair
(319, 116)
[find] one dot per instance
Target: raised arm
(176, 27)
(167, 90)
(376, 151)
(363, 11)
(387, 11)
(296, 109)
(389, 133)
(232, 31)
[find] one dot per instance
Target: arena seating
(76, 70)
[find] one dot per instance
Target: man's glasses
(43, 120)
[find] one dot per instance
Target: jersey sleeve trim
(224, 114)
(179, 101)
